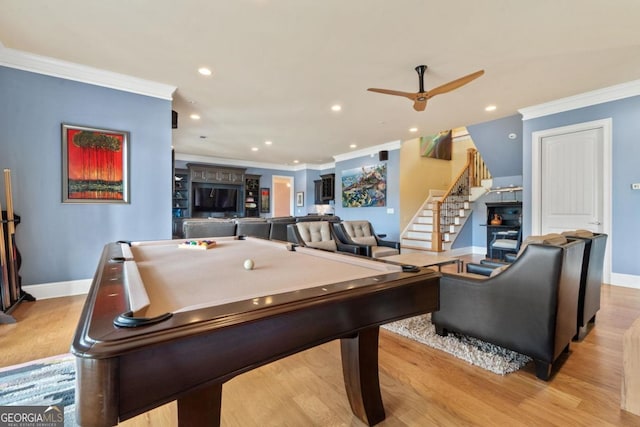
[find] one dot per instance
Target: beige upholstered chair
(318, 235)
(362, 233)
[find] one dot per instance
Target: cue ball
(248, 264)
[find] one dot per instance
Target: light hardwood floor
(420, 386)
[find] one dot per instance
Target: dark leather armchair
(590, 278)
(318, 235)
(530, 307)
(361, 233)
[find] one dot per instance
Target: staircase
(437, 223)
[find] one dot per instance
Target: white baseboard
(626, 280)
(58, 289)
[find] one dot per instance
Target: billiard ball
(248, 264)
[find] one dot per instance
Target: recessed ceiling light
(336, 107)
(254, 148)
(195, 116)
(490, 108)
(296, 161)
(204, 71)
(353, 146)
(413, 129)
(268, 143)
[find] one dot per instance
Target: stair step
(424, 220)
(413, 243)
(428, 227)
(419, 235)
(427, 212)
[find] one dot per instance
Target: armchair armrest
(482, 269)
(343, 238)
(354, 249)
(493, 263)
(510, 257)
(388, 243)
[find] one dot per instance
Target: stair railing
(454, 199)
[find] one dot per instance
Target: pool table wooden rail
(123, 372)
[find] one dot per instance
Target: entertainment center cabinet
(213, 191)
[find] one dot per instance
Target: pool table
(163, 322)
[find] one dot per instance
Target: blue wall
(62, 242)
(625, 114)
(503, 156)
(383, 222)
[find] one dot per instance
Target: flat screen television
(215, 199)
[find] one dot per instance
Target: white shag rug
(491, 357)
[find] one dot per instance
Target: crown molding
(369, 151)
(249, 164)
(587, 99)
(81, 73)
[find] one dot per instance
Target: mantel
(216, 174)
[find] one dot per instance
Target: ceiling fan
(422, 96)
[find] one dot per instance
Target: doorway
(282, 198)
(571, 181)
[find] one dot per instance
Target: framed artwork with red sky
(94, 165)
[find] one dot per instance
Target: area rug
(42, 382)
(479, 353)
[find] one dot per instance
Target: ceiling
(279, 65)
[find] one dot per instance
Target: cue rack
(11, 293)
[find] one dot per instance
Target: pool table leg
(201, 407)
(360, 370)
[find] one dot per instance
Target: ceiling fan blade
(447, 87)
(420, 104)
(411, 96)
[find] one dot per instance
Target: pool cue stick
(4, 284)
(11, 237)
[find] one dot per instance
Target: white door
(571, 186)
(571, 180)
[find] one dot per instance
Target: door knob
(595, 222)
